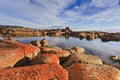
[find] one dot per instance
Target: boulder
(45, 58)
(35, 72)
(82, 58)
(59, 52)
(76, 49)
(13, 52)
(36, 43)
(93, 72)
(44, 42)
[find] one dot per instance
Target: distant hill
(10, 26)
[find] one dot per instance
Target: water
(95, 47)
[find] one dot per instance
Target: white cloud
(110, 14)
(44, 13)
(104, 3)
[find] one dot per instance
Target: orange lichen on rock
(45, 58)
(93, 72)
(36, 72)
(12, 52)
(58, 52)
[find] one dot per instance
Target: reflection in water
(95, 47)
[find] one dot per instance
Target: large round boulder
(82, 58)
(93, 72)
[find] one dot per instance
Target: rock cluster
(51, 63)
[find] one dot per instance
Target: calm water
(96, 47)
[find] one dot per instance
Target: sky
(102, 15)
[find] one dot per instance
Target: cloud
(45, 13)
(104, 3)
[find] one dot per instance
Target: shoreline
(67, 32)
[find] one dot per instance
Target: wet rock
(76, 49)
(68, 30)
(45, 58)
(35, 72)
(82, 35)
(13, 52)
(44, 33)
(44, 42)
(82, 58)
(93, 72)
(115, 58)
(89, 37)
(36, 43)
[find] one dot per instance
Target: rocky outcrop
(13, 52)
(35, 72)
(82, 58)
(111, 37)
(44, 42)
(93, 72)
(45, 58)
(55, 32)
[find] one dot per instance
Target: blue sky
(77, 14)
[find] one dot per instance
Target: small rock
(36, 43)
(115, 58)
(77, 49)
(93, 72)
(44, 42)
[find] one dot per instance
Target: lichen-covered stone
(59, 52)
(45, 58)
(93, 72)
(13, 52)
(35, 72)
